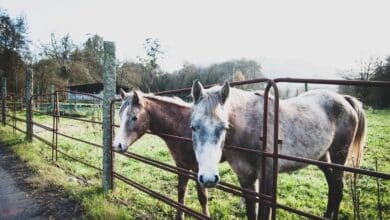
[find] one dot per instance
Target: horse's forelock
(125, 103)
(210, 105)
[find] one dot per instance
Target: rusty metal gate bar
(10, 112)
(53, 140)
(41, 96)
(56, 119)
(14, 114)
(55, 115)
(276, 155)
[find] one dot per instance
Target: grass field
(305, 189)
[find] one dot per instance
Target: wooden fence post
(29, 93)
(109, 81)
(3, 99)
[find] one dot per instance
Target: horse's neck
(168, 118)
(245, 118)
(244, 105)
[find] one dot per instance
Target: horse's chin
(120, 149)
(207, 185)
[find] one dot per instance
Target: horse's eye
(193, 128)
(134, 118)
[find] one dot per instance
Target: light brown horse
(320, 125)
(140, 113)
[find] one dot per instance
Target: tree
(130, 74)
(373, 69)
(366, 73)
(13, 48)
(60, 51)
(92, 55)
(379, 96)
(151, 70)
(45, 71)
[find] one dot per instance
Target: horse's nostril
(120, 146)
(201, 179)
(216, 179)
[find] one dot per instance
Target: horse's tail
(356, 149)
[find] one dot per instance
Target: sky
(328, 34)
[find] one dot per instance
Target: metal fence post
(29, 93)
(3, 99)
(109, 81)
(52, 91)
(14, 114)
(57, 121)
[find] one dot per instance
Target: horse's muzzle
(120, 147)
(208, 181)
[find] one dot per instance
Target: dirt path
(14, 203)
(20, 200)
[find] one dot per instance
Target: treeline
(377, 97)
(134, 75)
(63, 63)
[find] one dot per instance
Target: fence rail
(11, 105)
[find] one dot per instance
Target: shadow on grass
(12, 142)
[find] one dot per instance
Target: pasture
(304, 189)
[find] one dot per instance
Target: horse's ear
(225, 92)
(123, 93)
(197, 91)
(137, 98)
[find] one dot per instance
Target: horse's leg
(264, 210)
(181, 192)
(250, 202)
(338, 154)
(338, 191)
(202, 197)
(338, 157)
(329, 179)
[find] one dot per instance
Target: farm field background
(305, 189)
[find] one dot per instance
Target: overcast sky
(332, 34)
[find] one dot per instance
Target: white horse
(320, 125)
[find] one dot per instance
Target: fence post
(52, 90)
(109, 81)
(29, 93)
(3, 99)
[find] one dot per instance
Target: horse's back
(310, 122)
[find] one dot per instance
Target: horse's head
(134, 120)
(209, 123)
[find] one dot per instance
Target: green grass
(305, 189)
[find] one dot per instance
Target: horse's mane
(213, 96)
(171, 100)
